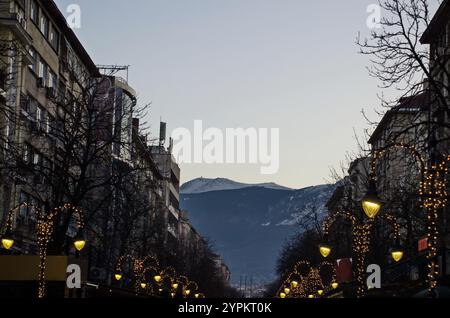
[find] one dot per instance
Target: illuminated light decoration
(283, 295)
(118, 276)
(434, 197)
(197, 295)
(320, 292)
(157, 278)
(143, 285)
(334, 285)
(187, 292)
(79, 242)
(311, 296)
(306, 280)
(8, 240)
(175, 286)
(397, 255)
(172, 295)
(325, 250)
(371, 203)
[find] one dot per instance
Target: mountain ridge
(202, 185)
(250, 225)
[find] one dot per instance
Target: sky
(287, 64)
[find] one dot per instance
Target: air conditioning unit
(41, 82)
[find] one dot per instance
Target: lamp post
(45, 228)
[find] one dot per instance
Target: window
(27, 153)
(44, 25)
(20, 15)
(50, 123)
(40, 118)
(37, 159)
(54, 38)
(34, 58)
(52, 80)
(43, 71)
(34, 12)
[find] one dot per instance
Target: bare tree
(401, 61)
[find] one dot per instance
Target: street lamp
(79, 242)
(157, 278)
(7, 240)
(325, 250)
(371, 203)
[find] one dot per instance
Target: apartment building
(46, 63)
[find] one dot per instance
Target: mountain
(250, 223)
(202, 185)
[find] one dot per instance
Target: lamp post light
(79, 242)
(325, 250)
(371, 203)
(7, 239)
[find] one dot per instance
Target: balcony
(17, 24)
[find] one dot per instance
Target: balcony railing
(17, 23)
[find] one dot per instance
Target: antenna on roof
(111, 70)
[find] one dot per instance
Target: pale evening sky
(288, 64)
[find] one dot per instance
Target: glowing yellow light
(371, 207)
(187, 292)
(79, 244)
(173, 295)
(118, 276)
(282, 295)
(320, 292)
(294, 284)
(7, 243)
(397, 255)
(197, 295)
(325, 250)
(311, 296)
(334, 285)
(143, 285)
(175, 286)
(287, 291)
(157, 278)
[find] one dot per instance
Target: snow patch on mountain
(202, 185)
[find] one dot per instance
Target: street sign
(423, 244)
